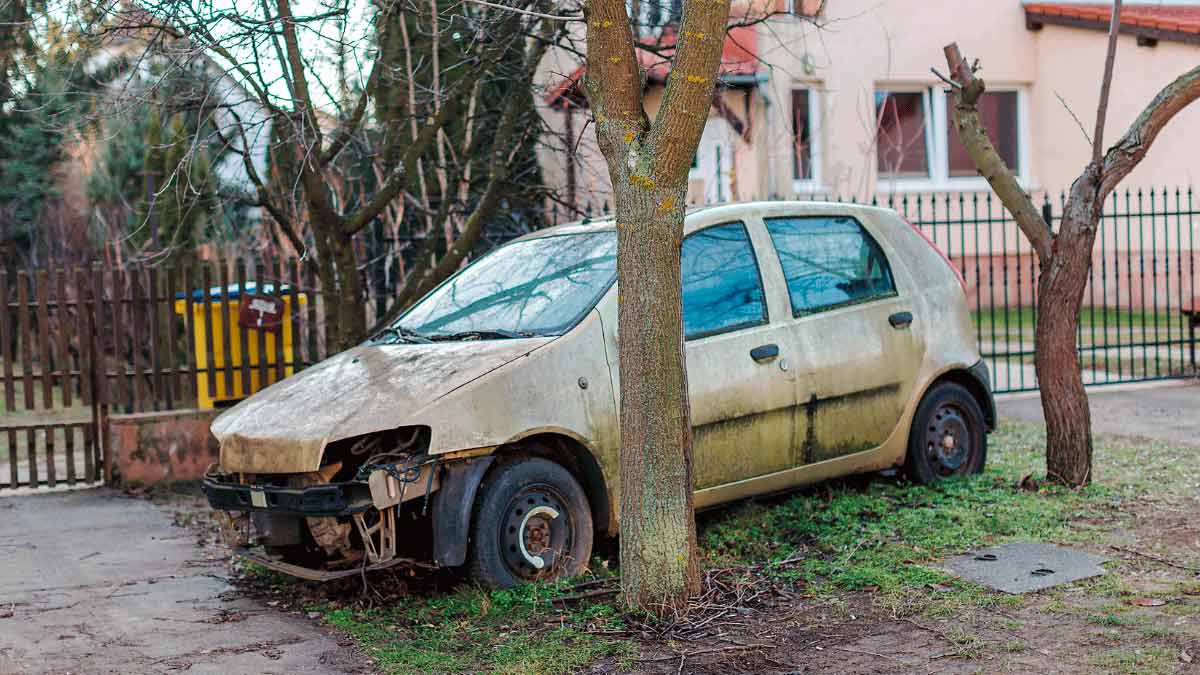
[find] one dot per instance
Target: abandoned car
(481, 427)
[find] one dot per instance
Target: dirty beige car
(481, 428)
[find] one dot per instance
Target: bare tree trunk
(1064, 400)
(648, 166)
(658, 530)
(1066, 258)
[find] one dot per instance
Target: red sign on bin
(262, 312)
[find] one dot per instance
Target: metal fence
(1139, 317)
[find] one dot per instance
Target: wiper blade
(400, 334)
(502, 333)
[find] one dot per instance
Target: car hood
(285, 427)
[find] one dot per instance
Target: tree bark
(648, 166)
(1061, 285)
(658, 527)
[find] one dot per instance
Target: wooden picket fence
(78, 343)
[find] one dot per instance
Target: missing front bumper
(330, 499)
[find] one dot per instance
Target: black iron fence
(1139, 316)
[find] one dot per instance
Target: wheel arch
(976, 381)
(574, 456)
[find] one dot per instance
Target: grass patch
(1140, 661)
(884, 536)
(518, 631)
(1021, 320)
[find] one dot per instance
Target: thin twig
(701, 652)
(863, 651)
(1157, 559)
(518, 10)
(1075, 117)
(952, 84)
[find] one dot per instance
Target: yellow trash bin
(220, 316)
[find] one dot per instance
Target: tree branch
(689, 93)
(1122, 157)
(346, 131)
(617, 105)
(1114, 27)
(990, 164)
(397, 180)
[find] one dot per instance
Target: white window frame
(806, 185)
(715, 156)
(936, 144)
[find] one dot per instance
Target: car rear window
(829, 262)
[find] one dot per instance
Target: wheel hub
(535, 535)
(536, 531)
(947, 441)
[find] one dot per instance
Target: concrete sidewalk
(1167, 412)
(96, 582)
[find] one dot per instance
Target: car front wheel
(949, 435)
(532, 521)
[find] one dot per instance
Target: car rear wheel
(532, 521)
(949, 435)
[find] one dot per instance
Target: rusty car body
(821, 340)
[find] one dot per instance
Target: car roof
(700, 216)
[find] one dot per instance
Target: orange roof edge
(738, 57)
(1154, 22)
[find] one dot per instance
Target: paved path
(95, 582)
(1167, 412)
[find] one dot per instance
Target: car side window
(722, 290)
(829, 262)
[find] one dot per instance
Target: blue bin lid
(233, 290)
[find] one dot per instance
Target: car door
(741, 390)
(855, 352)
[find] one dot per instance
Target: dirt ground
(97, 582)
(1096, 626)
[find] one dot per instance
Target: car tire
(531, 521)
(948, 436)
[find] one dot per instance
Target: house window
(917, 147)
(806, 142)
(901, 137)
(809, 8)
(802, 135)
(998, 112)
(651, 15)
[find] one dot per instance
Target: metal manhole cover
(1022, 567)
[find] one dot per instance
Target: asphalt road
(1167, 412)
(95, 582)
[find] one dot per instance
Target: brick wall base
(162, 447)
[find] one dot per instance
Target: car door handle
(764, 352)
(900, 319)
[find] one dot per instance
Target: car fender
(452, 508)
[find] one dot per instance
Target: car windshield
(538, 286)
